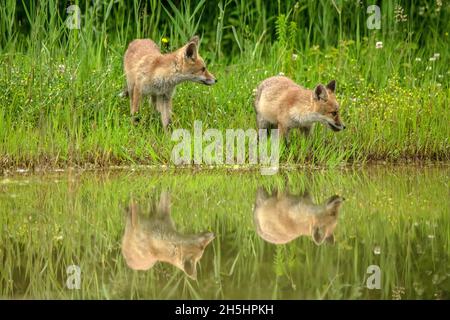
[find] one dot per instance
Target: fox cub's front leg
(135, 95)
(164, 106)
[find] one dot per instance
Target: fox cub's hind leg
(152, 100)
(284, 133)
(306, 131)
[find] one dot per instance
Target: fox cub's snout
(282, 103)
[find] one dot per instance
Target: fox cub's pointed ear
(318, 235)
(164, 203)
(330, 239)
(333, 204)
(195, 39)
(132, 212)
(331, 85)
(261, 196)
(320, 93)
(191, 51)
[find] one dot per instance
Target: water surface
(313, 234)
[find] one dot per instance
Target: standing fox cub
(149, 72)
(281, 102)
(282, 217)
(150, 239)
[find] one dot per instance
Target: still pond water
(378, 233)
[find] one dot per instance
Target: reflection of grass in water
(80, 220)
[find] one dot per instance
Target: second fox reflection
(282, 217)
(279, 218)
(151, 238)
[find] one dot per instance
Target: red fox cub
(283, 217)
(150, 239)
(151, 73)
(281, 102)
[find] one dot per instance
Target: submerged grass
(59, 87)
(395, 219)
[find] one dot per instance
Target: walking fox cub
(282, 217)
(149, 72)
(147, 240)
(281, 102)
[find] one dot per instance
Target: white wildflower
(400, 15)
(379, 45)
(377, 250)
(421, 11)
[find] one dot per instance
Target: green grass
(52, 221)
(59, 87)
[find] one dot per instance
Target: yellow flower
(165, 40)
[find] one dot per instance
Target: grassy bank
(59, 87)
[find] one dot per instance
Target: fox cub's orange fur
(283, 103)
(151, 73)
(282, 217)
(154, 238)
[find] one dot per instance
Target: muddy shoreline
(236, 169)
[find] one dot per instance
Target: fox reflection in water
(154, 238)
(282, 217)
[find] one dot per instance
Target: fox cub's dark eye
(334, 113)
(203, 69)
